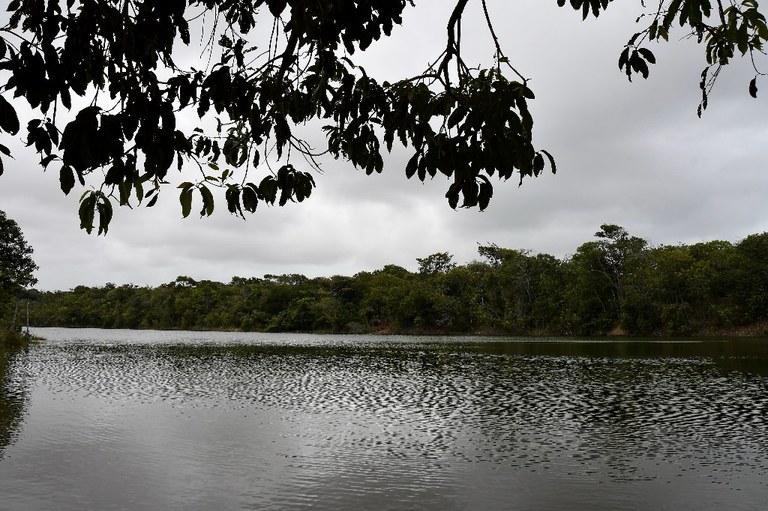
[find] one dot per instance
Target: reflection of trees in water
(12, 398)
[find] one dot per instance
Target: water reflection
(392, 424)
(13, 397)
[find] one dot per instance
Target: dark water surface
(95, 419)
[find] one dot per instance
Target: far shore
(756, 330)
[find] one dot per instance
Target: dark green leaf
(672, 12)
(66, 179)
(185, 197)
(139, 188)
(551, 161)
(232, 197)
(457, 115)
(647, 55)
(411, 166)
(638, 64)
(268, 189)
(9, 121)
(87, 211)
(624, 58)
(207, 196)
(742, 38)
(125, 189)
(485, 194)
(250, 197)
(453, 195)
(276, 7)
(104, 206)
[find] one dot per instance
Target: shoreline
(756, 330)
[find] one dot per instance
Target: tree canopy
(116, 103)
(615, 283)
(16, 265)
(16, 271)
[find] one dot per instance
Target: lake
(147, 420)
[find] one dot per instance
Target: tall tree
(439, 262)
(109, 84)
(16, 266)
(600, 272)
(752, 287)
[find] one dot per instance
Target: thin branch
(290, 49)
(722, 12)
(499, 53)
(452, 48)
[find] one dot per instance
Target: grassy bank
(14, 339)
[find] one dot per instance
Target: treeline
(616, 283)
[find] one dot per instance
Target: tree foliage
(114, 95)
(615, 282)
(16, 265)
(16, 271)
(440, 262)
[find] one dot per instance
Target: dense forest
(614, 284)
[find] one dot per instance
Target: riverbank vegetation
(615, 284)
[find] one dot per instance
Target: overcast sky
(633, 154)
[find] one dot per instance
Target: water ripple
(396, 410)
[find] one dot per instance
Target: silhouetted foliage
(113, 86)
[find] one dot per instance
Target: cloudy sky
(633, 154)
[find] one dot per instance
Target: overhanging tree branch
(468, 124)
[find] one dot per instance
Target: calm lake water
(95, 419)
